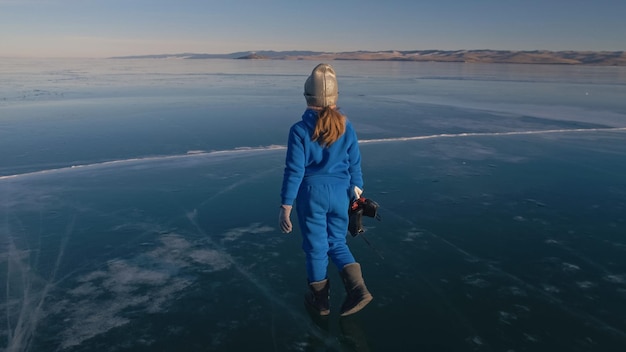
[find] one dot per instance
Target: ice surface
(139, 205)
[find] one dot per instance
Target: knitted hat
(320, 89)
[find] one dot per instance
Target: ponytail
(331, 125)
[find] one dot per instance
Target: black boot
(357, 294)
(317, 297)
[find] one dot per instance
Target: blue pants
(323, 218)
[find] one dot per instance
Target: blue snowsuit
(321, 180)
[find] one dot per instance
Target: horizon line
(311, 51)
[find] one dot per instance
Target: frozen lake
(138, 207)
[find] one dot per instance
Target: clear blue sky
(102, 28)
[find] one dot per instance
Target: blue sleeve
(294, 166)
(354, 155)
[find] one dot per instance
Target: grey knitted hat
(320, 89)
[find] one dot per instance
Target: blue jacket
(308, 163)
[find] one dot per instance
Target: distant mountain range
(599, 58)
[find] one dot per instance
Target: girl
(322, 175)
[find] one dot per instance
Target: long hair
(331, 125)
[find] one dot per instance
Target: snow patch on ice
(150, 281)
(570, 267)
(476, 280)
(506, 317)
(585, 284)
(550, 288)
(253, 229)
(412, 236)
(616, 279)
